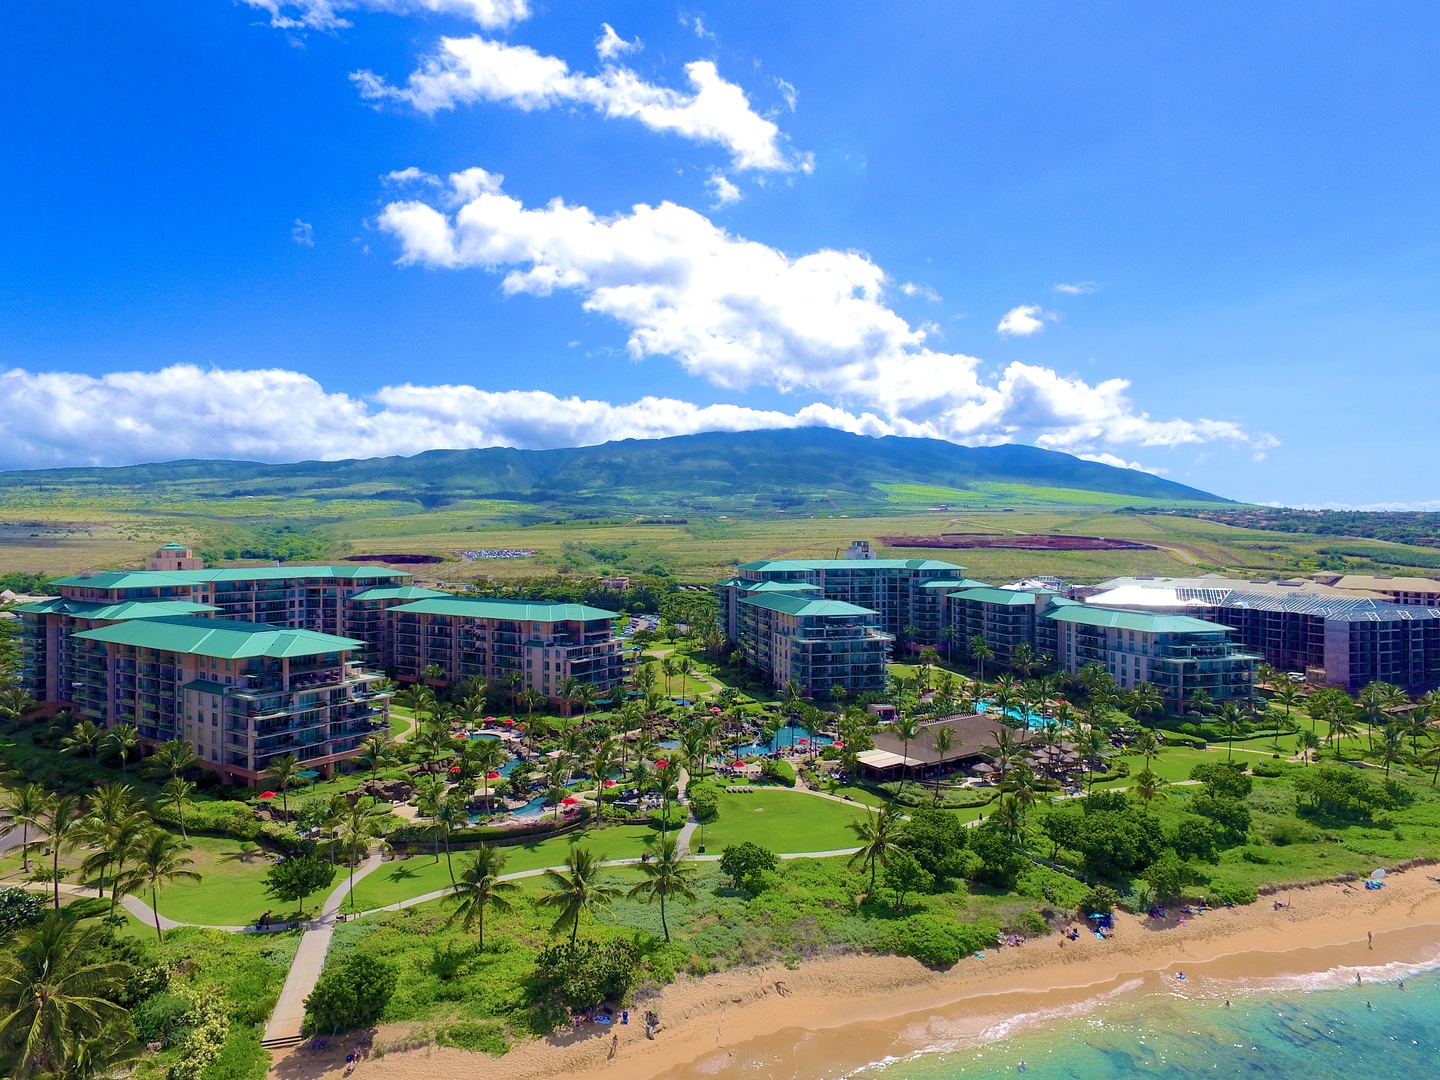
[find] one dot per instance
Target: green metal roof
(127, 609)
(803, 606)
(1134, 620)
(141, 579)
(773, 565)
(515, 610)
(222, 638)
(398, 592)
(778, 586)
(205, 686)
(961, 583)
(1003, 597)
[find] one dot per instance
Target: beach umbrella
(509, 721)
(489, 719)
(838, 745)
(267, 795)
(660, 764)
(609, 783)
(454, 768)
(715, 710)
(569, 800)
(802, 740)
(492, 776)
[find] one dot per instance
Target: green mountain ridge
(705, 472)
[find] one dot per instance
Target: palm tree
(576, 890)
(84, 738)
(879, 835)
(667, 874)
(907, 727)
(1149, 786)
(1287, 694)
(284, 773)
(1022, 658)
(586, 697)
(1146, 700)
(376, 753)
(670, 668)
(602, 761)
(449, 816)
(1417, 723)
(1094, 748)
(531, 699)
(1342, 726)
(162, 859)
(55, 996)
(173, 758)
(1003, 751)
(123, 740)
(26, 806)
(557, 779)
(942, 738)
(1392, 746)
(15, 704)
(1230, 718)
(429, 794)
(683, 667)
(62, 822)
(980, 651)
(695, 741)
(177, 792)
(488, 756)
(479, 886)
(1146, 744)
(115, 826)
(1200, 702)
(355, 832)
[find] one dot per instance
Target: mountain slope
(707, 471)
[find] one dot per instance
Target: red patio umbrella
(715, 710)
(838, 745)
(569, 800)
(660, 764)
(267, 795)
(454, 768)
(509, 721)
(489, 719)
(609, 783)
(492, 776)
(802, 740)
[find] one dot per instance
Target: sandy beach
(835, 1015)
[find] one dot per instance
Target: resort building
(240, 693)
(822, 646)
(1335, 637)
(892, 588)
(1176, 653)
(1005, 618)
(367, 619)
(525, 645)
(972, 747)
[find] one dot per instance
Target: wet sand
(830, 1017)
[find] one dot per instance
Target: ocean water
(1306, 1028)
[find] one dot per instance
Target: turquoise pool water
(788, 736)
(1287, 1034)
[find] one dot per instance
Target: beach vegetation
(351, 994)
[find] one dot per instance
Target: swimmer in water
(1402, 984)
(1369, 1006)
(1227, 1003)
(1021, 1067)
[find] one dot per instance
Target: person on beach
(1370, 939)
(614, 1044)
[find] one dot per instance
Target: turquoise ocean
(1312, 1029)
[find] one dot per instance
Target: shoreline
(874, 1008)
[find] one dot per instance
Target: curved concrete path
(284, 1026)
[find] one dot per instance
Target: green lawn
(421, 874)
(783, 821)
(230, 892)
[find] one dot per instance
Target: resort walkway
(284, 1026)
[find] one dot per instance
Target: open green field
(99, 534)
(783, 821)
(231, 889)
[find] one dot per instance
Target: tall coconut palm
(980, 652)
(532, 699)
(1146, 700)
(26, 806)
(669, 667)
(942, 738)
(172, 758)
(557, 777)
(161, 859)
(84, 738)
(376, 752)
(429, 795)
(176, 793)
(478, 887)
(283, 773)
(684, 666)
(355, 832)
(16, 704)
(115, 826)
(577, 890)
(1149, 786)
(452, 814)
(696, 743)
(122, 740)
(879, 836)
(488, 756)
(55, 997)
(1146, 744)
(667, 873)
(587, 697)
(907, 727)
(62, 824)
(602, 761)
(1230, 719)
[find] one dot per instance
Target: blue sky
(1201, 240)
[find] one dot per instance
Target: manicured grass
(783, 821)
(230, 892)
(421, 874)
(856, 794)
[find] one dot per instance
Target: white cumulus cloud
(920, 289)
(738, 313)
(474, 68)
(723, 191)
(1078, 288)
(326, 14)
(610, 44)
(1022, 321)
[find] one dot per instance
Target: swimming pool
(787, 737)
(1032, 719)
